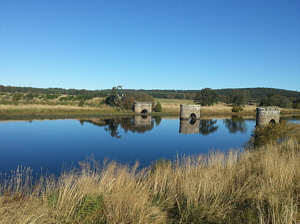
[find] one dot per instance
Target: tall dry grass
(261, 186)
(44, 109)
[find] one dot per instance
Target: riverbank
(255, 186)
(169, 107)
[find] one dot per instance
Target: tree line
(236, 96)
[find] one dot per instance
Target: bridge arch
(142, 107)
(266, 116)
(189, 111)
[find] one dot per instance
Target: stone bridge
(189, 111)
(142, 107)
(265, 116)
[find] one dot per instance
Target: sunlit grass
(45, 109)
(255, 186)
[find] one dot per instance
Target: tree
(239, 98)
(128, 100)
(296, 103)
(17, 96)
(29, 96)
(158, 107)
(206, 97)
(128, 103)
(275, 100)
(114, 98)
(81, 103)
(144, 97)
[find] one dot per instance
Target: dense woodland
(260, 96)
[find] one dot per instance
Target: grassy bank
(170, 107)
(255, 186)
(57, 110)
(94, 107)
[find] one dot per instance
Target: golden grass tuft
(254, 186)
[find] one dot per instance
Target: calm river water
(53, 144)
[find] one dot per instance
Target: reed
(253, 186)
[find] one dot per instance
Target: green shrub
(81, 103)
(29, 96)
(128, 103)
(51, 96)
(237, 109)
(158, 107)
(273, 134)
(17, 96)
(83, 97)
(68, 98)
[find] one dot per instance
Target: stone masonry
(265, 116)
(140, 121)
(142, 107)
(187, 127)
(189, 110)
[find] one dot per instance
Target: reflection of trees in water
(112, 127)
(133, 124)
(207, 126)
(95, 121)
(157, 120)
(235, 124)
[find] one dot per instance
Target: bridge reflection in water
(136, 124)
(142, 124)
(189, 126)
(203, 127)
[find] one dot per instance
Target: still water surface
(53, 144)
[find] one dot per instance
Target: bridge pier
(189, 111)
(142, 107)
(265, 116)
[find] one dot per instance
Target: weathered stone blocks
(189, 127)
(265, 116)
(142, 121)
(188, 111)
(142, 107)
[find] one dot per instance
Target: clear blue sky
(180, 44)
